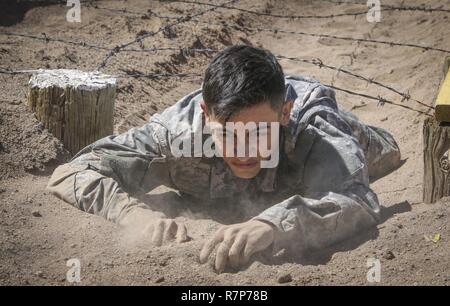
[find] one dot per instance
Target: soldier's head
(245, 85)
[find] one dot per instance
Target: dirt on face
(39, 233)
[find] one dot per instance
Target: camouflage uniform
(317, 195)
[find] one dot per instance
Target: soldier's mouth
(246, 165)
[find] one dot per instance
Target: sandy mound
(24, 145)
(39, 233)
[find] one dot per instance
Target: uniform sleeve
(106, 176)
(380, 148)
(334, 200)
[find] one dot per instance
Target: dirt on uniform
(39, 233)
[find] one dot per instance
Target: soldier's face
(257, 121)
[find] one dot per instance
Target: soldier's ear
(204, 109)
(286, 112)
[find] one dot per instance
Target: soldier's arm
(335, 202)
(103, 179)
(380, 148)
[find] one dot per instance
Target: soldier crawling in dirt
(324, 159)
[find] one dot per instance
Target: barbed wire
(149, 13)
(139, 38)
(95, 5)
(64, 2)
(137, 74)
(127, 73)
(385, 7)
(61, 2)
(380, 99)
(318, 62)
(390, 43)
(422, 8)
(375, 41)
(122, 47)
(393, 7)
(275, 30)
(292, 17)
(45, 38)
(14, 72)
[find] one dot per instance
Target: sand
(39, 233)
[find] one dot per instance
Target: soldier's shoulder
(182, 116)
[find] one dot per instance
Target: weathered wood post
(436, 143)
(75, 106)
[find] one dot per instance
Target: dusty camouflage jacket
(317, 195)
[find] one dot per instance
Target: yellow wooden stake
(442, 110)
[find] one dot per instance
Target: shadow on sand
(173, 204)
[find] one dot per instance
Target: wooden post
(76, 107)
(442, 110)
(436, 143)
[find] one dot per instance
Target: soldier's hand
(164, 229)
(154, 226)
(237, 243)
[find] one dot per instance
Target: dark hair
(241, 76)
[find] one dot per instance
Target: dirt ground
(39, 233)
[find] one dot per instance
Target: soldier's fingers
(158, 232)
(222, 256)
(182, 233)
(235, 255)
(224, 249)
(207, 249)
(249, 250)
(170, 229)
(148, 229)
(209, 246)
